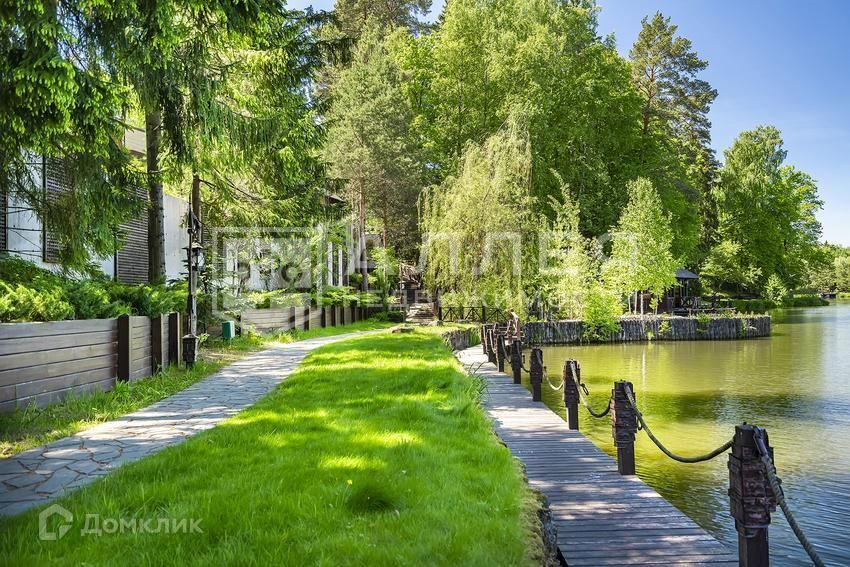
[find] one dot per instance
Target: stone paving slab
(40, 475)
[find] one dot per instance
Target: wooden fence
(42, 363)
(633, 329)
(305, 317)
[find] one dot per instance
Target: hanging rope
(698, 459)
(548, 381)
(776, 485)
(582, 393)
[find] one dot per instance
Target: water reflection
(795, 383)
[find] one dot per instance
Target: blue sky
(780, 62)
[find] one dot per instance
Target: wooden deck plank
(602, 518)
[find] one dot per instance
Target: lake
(796, 384)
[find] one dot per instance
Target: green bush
(600, 315)
(30, 293)
(390, 316)
(805, 301)
(19, 303)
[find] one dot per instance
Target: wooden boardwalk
(602, 518)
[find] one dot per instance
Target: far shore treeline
(502, 117)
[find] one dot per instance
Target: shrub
(20, 303)
(774, 290)
(30, 293)
(601, 315)
(391, 316)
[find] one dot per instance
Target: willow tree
(479, 226)
(641, 257)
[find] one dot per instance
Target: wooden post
(491, 344)
(292, 317)
(157, 332)
(483, 314)
(333, 315)
(516, 360)
(750, 496)
(324, 317)
(572, 376)
(623, 427)
(125, 347)
(501, 353)
(307, 310)
(536, 374)
(175, 339)
(482, 330)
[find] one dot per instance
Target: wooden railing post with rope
(751, 497)
(536, 374)
(516, 360)
(501, 353)
(571, 395)
(623, 427)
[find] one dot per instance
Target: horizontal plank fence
(634, 329)
(305, 318)
(42, 363)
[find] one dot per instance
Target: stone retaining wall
(655, 328)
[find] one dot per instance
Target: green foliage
(774, 289)
(766, 213)
(465, 220)
(385, 276)
(675, 124)
(703, 321)
(34, 294)
(390, 316)
(665, 329)
(641, 258)
(601, 314)
(370, 146)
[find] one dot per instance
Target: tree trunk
(361, 229)
(156, 214)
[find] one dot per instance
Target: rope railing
(779, 494)
(582, 396)
(643, 425)
(751, 505)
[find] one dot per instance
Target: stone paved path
(40, 475)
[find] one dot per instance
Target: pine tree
(676, 127)
(370, 145)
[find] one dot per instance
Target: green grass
(375, 452)
(30, 427)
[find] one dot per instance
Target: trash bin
(228, 330)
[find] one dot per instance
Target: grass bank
(375, 452)
(32, 426)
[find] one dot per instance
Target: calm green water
(796, 384)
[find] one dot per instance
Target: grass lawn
(375, 452)
(30, 427)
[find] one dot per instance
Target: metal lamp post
(194, 254)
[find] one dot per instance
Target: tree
(674, 122)
(59, 101)
(768, 209)
(641, 258)
(354, 16)
(176, 57)
(582, 110)
(479, 226)
(370, 147)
